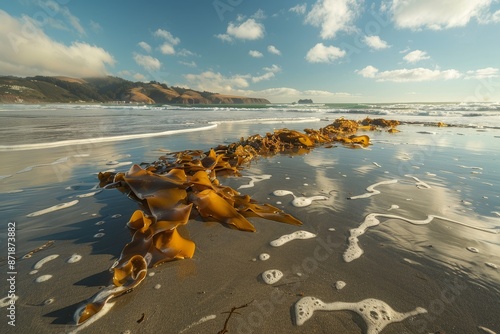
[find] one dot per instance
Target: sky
(339, 51)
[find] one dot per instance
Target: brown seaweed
(169, 189)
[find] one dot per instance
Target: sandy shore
(446, 172)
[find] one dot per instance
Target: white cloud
(216, 82)
(408, 75)
(333, 16)
(145, 46)
(259, 15)
(368, 72)
(255, 54)
(483, 73)
(167, 49)
(299, 9)
(55, 9)
(188, 64)
(415, 56)
(269, 73)
(224, 37)
(272, 49)
(26, 50)
(167, 36)
(324, 54)
(186, 53)
(249, 29)
(139, 77)
(96, 27)
(437, 14)
(375, 42)
(147, 62)
(287, 94)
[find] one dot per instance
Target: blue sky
(282, 50)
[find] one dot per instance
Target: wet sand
(404, 265)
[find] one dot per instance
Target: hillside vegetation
(44, 89)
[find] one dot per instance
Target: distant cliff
(43, 89)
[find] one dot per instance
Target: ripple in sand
(53, 208)
(43, 278)
(371, 189)
(272, 276)
(376, 313)
(292, 236)
(46, 259)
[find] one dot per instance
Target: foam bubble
(376, 164)
(255, 179)
(272, 276)
(53, 208)
(371, 189)
(74, 258)
(116, 216)
(5, 301)
(473, 249)
(486, 330)
(491, 265)
(43, 278)
(264, 257)
(299, 201)
(376, 313)
(100, 222)
(33, 272)
(99, 235)
(202, 320)
(90, 194)
(339, 285)
(48, 301)
(46, 259)
(157, 286)
(419, 184)
(292, 236)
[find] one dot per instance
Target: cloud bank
(26, 50)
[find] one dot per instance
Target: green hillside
(45, 89)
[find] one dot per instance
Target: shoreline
(419, 277)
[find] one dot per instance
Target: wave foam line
(353, 250)
(24, 147)
(270, 120)
(372, 191)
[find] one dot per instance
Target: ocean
(433, 190)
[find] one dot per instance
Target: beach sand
(446, 172)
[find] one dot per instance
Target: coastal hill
(45, 89)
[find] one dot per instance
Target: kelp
(180, 185)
